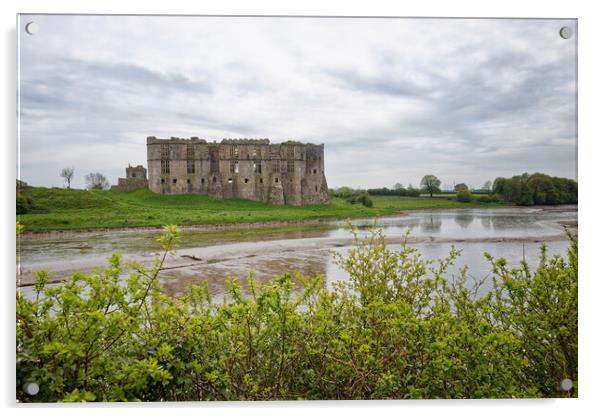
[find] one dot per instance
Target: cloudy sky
(391, 99)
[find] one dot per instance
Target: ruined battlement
(245, 141)
(135, 178)
(280, 173)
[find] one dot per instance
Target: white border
(590, 34)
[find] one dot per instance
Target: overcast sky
(391, 99)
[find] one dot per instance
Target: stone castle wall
(286, 173)
(135, 178)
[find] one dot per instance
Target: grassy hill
(82, 209)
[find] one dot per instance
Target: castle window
(174, 180)
(276, 166)
(164, 151)
(190, 151)
(276, 180)
(190, 166)
(234, 151)
(246, 180)
(315, 171)
(236, 167)
(133, 175)
(188, 181)
(229, 180)
(214, 179)
(290, 166)
(231, 167)
(291, 152)
(254, 152)
(316, 188)
(165, 167)
(260, 180)
(162, 180)
(202, 181)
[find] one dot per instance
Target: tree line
(526, 189)
(536, 189)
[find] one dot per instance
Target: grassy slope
(81, 209)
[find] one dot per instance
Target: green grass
(81, 209)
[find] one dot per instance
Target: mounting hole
(32, 28)
(566, 384)
(32, 389)
(566, 32)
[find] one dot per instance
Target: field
(72, 209)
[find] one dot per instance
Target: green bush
(361, 197)
(463, 194)
(399, 328)
(493, 199)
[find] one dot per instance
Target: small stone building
(286, 173)
(135, 178)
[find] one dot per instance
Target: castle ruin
(287, 173)
(135, 178)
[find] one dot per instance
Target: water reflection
(431, 224)
(464, 219)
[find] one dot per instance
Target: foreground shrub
(399, 328)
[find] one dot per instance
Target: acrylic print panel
(283, 208)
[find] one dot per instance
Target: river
(513, 233)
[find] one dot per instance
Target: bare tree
(96, 181)
(67, 175)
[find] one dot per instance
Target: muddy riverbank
(215, 256)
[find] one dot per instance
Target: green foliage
(460, 186)
(536, 189)
(430, 184)
(399, 190)
(464, 195)
(541, 306)
(343, 192)
(488, 199)
(399, 328)
(361, 197)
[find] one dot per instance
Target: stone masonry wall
(286, 173)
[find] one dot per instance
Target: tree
(487, 186)
(398, 186)
(499, 185)
(96, 181)
(464, 195)
(430, 184)
(460, 186)
(67, 175)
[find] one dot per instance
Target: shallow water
(512, 233)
